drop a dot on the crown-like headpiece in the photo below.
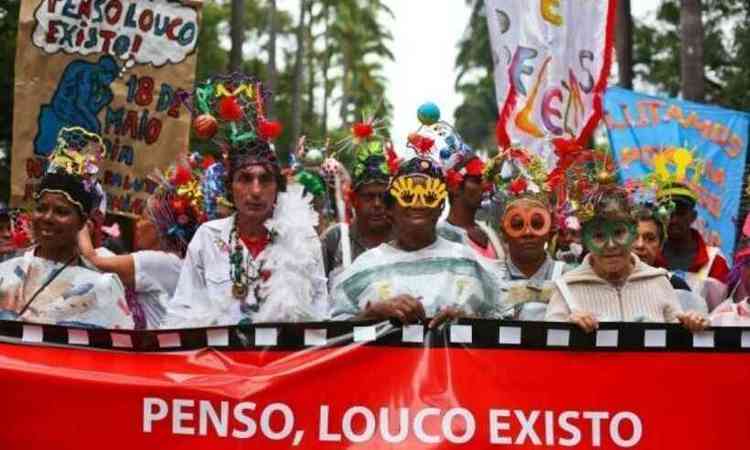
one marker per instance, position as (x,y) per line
(230,110)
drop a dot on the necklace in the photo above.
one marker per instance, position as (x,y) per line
(49,281)
(243,272)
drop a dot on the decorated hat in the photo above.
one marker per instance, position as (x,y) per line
(676,170)
(582,175)
(177,205)
(230,111)
(73,167)
(371,151)
(440,141)
(517,173)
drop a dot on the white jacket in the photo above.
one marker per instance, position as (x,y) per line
(294,291)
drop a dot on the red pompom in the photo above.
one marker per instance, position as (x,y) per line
(230,109)
(421,144)
(180,205)
(475,167)
(518,186)
(181,175)
(453,179)
(392,159)
(20,239)
(362,130)
(269,129)
(205,126)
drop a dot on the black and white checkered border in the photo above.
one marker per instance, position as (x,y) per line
(465,333)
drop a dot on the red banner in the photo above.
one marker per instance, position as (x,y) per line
(451,390)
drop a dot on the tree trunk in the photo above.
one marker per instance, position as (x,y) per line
(237,35)
(326,65)
(310,113)
(345,86)
(272,73)
(298,74)
(691,54)
(624,44)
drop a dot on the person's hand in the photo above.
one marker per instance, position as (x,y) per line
(404,308)
(449,313)
(585,320)
(84,240)
(693,321)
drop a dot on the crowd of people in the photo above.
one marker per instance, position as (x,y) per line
(435,234)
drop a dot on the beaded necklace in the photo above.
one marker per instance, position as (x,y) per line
(244,273)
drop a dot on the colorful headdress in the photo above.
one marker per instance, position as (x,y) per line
(676,170)
(408,193)
(176,206)
(374,158)
(72,168)
(580,174)
(230,110)
(517,173)
(440,140)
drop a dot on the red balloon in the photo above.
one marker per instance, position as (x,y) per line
(230,109)
(269,129)
(205,126)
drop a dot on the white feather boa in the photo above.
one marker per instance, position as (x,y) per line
(296,289)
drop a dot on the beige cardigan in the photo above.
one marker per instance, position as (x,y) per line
(646,296)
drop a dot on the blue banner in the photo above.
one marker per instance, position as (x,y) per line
(642,127)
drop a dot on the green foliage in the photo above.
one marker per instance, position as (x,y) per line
(8,31)
(476,116)
(726,49)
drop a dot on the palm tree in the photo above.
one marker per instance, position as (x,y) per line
(476,116)
(272,73)
(360,37)
(298,74)
(624,44)
(237,35)
(691,54)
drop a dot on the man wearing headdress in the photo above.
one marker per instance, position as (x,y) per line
(685,251)
(418,274)
(371,225)
(463,170)
(263,263)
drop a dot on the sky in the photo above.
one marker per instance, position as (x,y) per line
(425,38)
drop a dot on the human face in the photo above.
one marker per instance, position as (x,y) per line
(416,221)
(146,235)
(471,192)
(680,221)
(369,205)
(56,222)
(5,236)
(568,236)
(647,244)
(526,226)
(254,189)
(610,241)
